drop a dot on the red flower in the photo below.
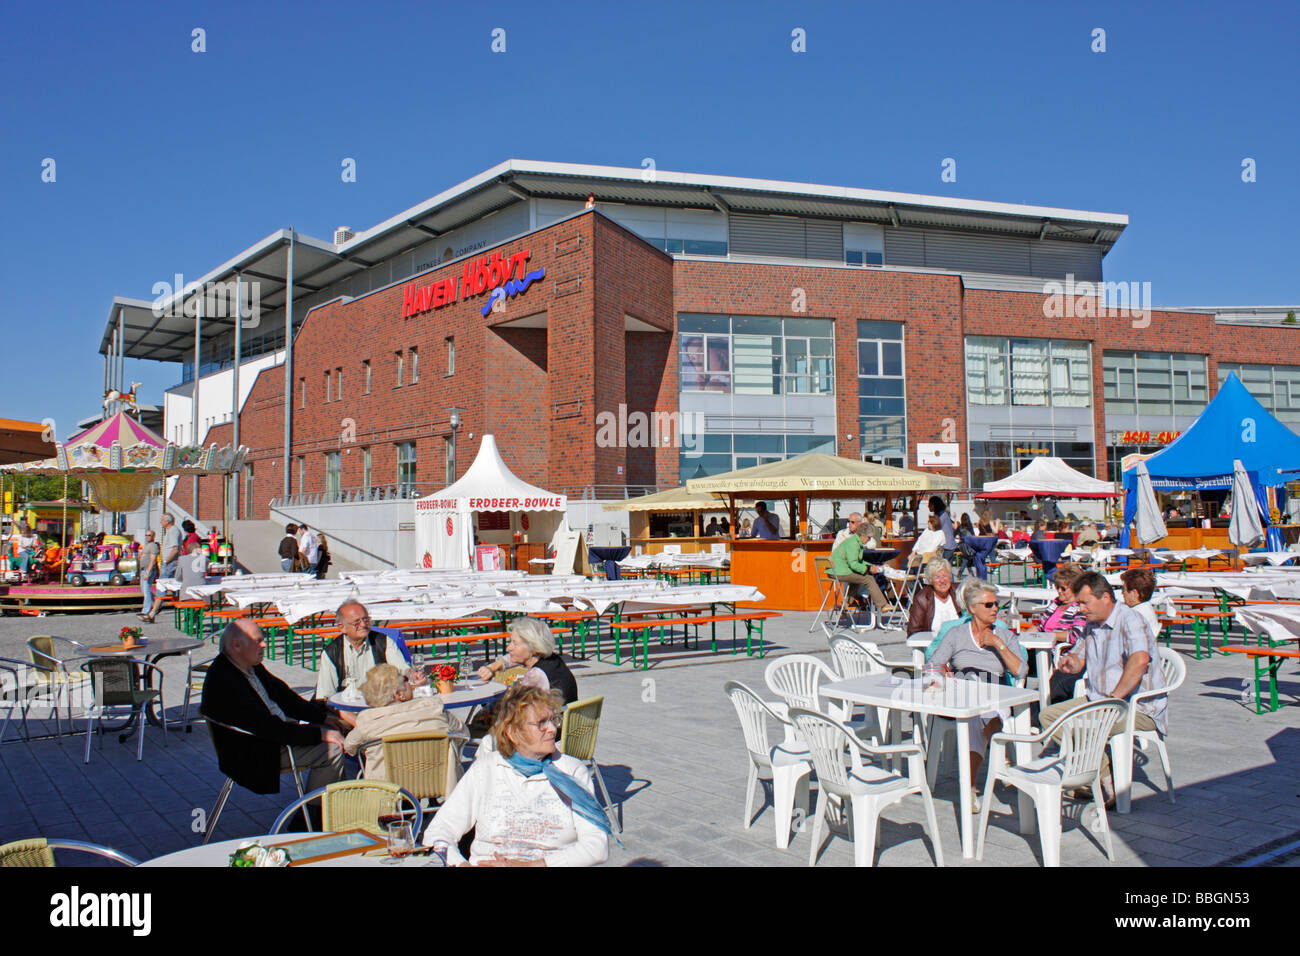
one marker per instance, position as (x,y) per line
(446,672)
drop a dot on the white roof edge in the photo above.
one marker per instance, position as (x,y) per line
(814,189)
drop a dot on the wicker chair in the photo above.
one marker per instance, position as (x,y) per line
(417,762)
(355,805)
(578,740)
(40,852)
(120,682)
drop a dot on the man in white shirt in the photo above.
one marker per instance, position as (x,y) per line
(855,519)
(309,545)
(351,656)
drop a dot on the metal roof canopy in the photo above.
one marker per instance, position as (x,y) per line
(22,441)
(320,263)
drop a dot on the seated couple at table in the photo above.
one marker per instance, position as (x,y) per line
(527,803)
(850,567)
(977,647)
(393,709)
(346,660)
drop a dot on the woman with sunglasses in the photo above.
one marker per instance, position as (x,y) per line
(978,648)
(528,804)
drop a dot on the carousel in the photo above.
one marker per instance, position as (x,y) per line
(121,461)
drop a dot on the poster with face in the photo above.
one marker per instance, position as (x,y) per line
(692,353)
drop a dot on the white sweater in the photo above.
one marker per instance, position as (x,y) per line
(517,817)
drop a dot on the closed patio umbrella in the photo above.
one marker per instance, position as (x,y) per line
(1245,530)
(1150,525)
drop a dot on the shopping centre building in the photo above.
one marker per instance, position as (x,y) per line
(625,329)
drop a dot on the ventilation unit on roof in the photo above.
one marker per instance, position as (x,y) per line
(342,234)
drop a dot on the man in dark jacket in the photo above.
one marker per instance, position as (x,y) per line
(240,692)
(288,550)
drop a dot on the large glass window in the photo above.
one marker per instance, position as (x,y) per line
(1276,387)
(756,355)
(727,452)
(882,402)
(991,460)
(1153,383)
(1028,372)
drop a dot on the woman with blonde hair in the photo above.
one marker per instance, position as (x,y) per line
(527,803)
(393,710)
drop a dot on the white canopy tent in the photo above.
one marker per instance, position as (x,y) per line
(444,523)
(1048,476)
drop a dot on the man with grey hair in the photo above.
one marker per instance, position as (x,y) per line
(171,546)
(347,659)
(239,691)
(854,519)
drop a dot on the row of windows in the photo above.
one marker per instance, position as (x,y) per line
(1028,372)
(756,355)
(1154,383)
(1276,387)
(882,401)
(718,453)
(407,467)
(406,368)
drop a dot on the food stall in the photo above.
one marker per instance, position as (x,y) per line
(1199,466)
(785,569)
(675,517)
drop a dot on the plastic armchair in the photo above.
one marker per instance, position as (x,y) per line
(418,762)
(578,732)
(854,658)
(12,681)
(120,682)
(788,763)
(40,852)
(355,805)
(795,679)
(1083,732)
(861,789)
(222,736)
(1173,670)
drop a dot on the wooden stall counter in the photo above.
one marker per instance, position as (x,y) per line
(687,545)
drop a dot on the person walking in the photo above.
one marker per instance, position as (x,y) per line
(288,547)
(148,558)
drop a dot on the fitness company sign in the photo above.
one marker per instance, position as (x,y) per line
(505,276)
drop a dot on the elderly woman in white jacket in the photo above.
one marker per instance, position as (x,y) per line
(528,804)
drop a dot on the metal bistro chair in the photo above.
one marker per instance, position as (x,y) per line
(223,734)
(12,682)
(39,852)
(52,673)
(356,805)
(578,732)
(827,586)
(120,682)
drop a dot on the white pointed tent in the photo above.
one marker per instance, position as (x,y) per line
(1048,476)
(444,523)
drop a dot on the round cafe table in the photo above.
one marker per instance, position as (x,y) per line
(151,649)
(1048,552)
(981,547)
(466,694)
(609,557)
(218,854)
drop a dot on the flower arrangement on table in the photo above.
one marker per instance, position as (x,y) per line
(255,854)
(446,675)
(130,636)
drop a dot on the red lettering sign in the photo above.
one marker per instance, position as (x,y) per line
(477,276)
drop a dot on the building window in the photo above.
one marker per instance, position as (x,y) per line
(415,365)
(365,376)
(338,384)
(365,470)
(882,395)
(860,257)
(992,460)
(329,376)
(406,469)
(333,475)
(756,355)
(1028,372)
(1156,384)
(719,453)
(400,362)
(302,393)
(1276,387)
(302,474)
(451,355)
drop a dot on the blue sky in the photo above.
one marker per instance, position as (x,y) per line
(172,161)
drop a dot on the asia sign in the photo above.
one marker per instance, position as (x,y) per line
(1145,438)
(505,276)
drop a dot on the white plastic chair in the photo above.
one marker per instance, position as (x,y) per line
(1174,671)
(865,788)
(795,679)
(1083,731)
(787,763)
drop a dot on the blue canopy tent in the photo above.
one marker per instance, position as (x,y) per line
(1233,425)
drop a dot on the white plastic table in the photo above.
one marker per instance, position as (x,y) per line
(467,694)
(1041,646)
(961,700)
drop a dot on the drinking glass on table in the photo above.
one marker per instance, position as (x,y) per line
(931,678)
(401,840)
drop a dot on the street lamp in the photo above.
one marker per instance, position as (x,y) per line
(453,418)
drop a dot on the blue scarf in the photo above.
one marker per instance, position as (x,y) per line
(583,803)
